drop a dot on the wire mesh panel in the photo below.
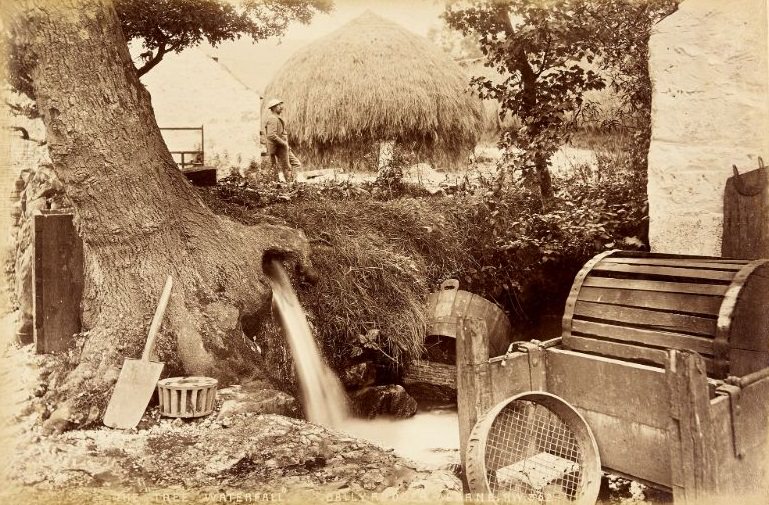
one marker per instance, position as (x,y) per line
(534,448)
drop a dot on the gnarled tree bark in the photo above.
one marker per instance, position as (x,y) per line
(139,219)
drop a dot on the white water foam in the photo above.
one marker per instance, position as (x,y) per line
(323,397)
(430,438)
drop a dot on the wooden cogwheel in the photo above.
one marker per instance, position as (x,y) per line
(533,447)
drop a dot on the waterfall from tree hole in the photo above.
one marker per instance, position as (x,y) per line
(323,396)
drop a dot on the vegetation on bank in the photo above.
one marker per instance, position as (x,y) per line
(379,252)
(512,242)
(545,60)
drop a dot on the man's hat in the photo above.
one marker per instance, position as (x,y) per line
(272,103)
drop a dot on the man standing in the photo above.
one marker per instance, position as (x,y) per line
(281,157)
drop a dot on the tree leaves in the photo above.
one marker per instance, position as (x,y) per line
(550,51)
(173,25)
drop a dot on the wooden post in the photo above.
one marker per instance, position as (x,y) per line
(474,395)
(690,434)
(746,215)
(57,281)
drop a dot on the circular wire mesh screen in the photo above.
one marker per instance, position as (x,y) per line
(534,451)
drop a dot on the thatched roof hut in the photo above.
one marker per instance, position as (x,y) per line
(373,81)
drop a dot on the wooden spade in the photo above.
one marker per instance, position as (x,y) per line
(138,377)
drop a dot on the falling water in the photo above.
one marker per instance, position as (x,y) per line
(323,397)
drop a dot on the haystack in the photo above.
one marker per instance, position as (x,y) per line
(373,81)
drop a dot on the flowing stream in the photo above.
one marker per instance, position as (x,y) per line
(431,438)
(323,396)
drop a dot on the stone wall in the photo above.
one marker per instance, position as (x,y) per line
(28,184)
(710,110)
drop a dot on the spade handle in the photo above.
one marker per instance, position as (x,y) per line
(157,319)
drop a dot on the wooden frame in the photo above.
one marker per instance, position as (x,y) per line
(673,427)
(198,156)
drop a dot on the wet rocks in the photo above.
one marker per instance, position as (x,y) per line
(390,400)
(359,375)
(254,398)
(59,421)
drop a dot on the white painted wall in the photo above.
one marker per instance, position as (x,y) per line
(192,89)
(710,109)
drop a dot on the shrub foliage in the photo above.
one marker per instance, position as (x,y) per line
(379,256)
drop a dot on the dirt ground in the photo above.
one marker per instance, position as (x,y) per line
(236,454)
(230,455)
(422,174)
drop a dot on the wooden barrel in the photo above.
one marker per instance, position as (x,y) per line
(635,306)
(449,303)
(187,396)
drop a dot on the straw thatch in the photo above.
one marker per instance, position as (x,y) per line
(373,81)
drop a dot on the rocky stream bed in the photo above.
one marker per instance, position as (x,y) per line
(242,452)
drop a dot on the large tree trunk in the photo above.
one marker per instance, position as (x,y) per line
(140,220)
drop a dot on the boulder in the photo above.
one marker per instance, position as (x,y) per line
(359,375)
(392,400)
(255,398)
(430,396)
(59,421)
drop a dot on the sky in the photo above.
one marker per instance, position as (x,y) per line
(256,64)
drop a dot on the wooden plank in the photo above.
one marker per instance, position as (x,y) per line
(744,361)
(662,339)
(749,322)
(743,480)
(615,349)
(653,319)
(753,418)
(511,378)
(630,448)
(57,281)
(673,302)
(500,332)
(480,308)
(642,254)
(746,214)
(623,351)
(461,302)
(684,273)
(713,264)
(723,445)
(444,298)
(613,387)
(474,389)
(690,433)
(663,286)
(430,304)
